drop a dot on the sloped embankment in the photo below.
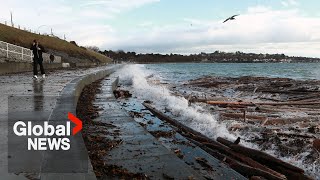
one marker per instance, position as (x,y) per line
(68,51)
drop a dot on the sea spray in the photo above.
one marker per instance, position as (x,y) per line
(194,116)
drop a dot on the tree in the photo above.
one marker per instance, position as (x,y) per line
(93,48)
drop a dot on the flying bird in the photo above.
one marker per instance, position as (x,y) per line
(231,18)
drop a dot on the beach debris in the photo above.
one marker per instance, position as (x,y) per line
(237,141)
(148,101)
(119,93)
(314,129)
(316,144)
(178,153)
(159,134)
(204,163)
(224,103)
(259,155)
(248,162)
(135,114)
(273,113)
(282,114)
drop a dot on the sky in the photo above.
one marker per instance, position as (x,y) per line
(291,27)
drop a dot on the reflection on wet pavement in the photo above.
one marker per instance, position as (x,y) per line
(38,94)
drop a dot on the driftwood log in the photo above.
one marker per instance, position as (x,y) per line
(259,155)
(243,159)
(243,169)
(241,115)
(283,121)
(175,123)
(276,164)
(305,136)
(225,103)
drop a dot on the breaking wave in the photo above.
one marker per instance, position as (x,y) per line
(194,116)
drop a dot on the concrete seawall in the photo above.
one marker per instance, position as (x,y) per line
(67,102)
(13,67)
(17,67)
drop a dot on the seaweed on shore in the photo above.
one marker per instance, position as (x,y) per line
(98,145)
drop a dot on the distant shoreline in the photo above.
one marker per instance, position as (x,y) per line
(218,62)
(215,57)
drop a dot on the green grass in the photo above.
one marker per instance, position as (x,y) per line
(24,39)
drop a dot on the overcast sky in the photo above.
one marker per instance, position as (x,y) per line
(177,26)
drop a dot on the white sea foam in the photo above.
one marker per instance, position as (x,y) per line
(194,116)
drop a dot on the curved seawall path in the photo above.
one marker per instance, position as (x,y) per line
(44,95)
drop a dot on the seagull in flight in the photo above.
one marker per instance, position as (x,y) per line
(231,18)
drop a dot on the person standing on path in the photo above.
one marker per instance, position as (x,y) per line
(37,51)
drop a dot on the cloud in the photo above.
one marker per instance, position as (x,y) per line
(80,20)
(110,8)
(258,29)
(118,4)
(258,9)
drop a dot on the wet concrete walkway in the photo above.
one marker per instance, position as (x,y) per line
(23,85)
(141,152)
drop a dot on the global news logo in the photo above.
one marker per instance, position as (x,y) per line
(46,136)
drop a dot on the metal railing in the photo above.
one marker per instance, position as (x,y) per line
(15,52)
(21,54)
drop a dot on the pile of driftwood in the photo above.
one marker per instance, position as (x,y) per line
(248,162)
(274,112)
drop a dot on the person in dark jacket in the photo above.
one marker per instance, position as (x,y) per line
(51,58)
(37,51)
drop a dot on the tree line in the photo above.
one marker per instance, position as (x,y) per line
(217,56)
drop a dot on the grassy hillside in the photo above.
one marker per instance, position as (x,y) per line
(24,38)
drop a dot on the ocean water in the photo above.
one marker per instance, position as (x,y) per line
(176,72)
(141,81)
